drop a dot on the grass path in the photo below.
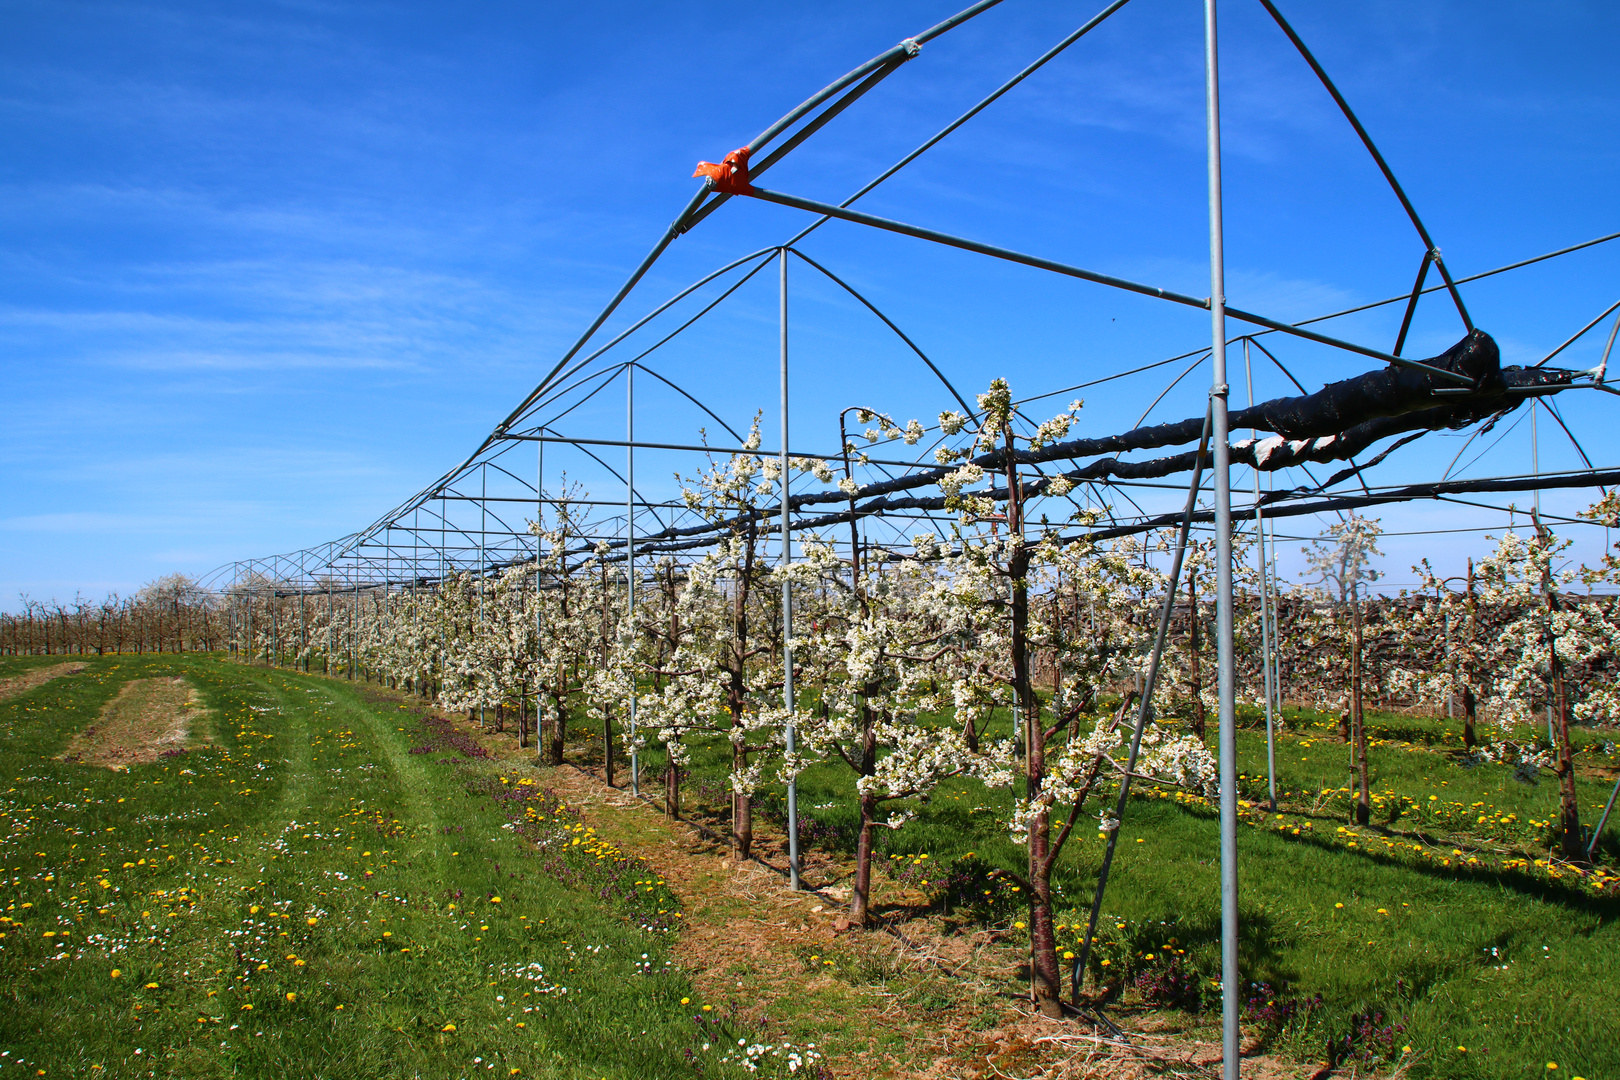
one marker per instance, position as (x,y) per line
(300,896)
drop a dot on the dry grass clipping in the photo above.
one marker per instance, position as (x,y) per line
(148,717)
(30,680)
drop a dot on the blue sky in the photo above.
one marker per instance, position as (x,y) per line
(266,269)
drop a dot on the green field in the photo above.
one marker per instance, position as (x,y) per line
(299,894)
(309,889)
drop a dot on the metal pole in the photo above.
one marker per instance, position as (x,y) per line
(1270,530)
(1223,559)
(1265,621)
(416,605)
(630,556)
(354,630)
(539,646)
(788,702)
(1602,821)
(483,527)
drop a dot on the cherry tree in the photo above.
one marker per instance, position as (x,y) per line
(1342,559)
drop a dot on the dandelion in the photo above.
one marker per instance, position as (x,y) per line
(448,1027)
(291,996)
(114,973)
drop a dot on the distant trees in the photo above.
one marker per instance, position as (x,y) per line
(171,614)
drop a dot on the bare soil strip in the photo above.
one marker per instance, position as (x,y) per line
(146,719)
(31,680)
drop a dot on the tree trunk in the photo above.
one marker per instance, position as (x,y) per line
(1358,722)
(1569,808)
(672,789)
(742,809)
(1470,704)
(559,733)
(1197,686)
(860,903)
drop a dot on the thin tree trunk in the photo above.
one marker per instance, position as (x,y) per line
(672,788)
(1197,686)
(559,732)
(1569,808)
(1470,704)
(860,903)
(1358,722)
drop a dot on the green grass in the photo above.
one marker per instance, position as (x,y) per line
(304,776)
(1429,929)
(303,896)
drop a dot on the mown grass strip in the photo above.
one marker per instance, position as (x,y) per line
(302,897)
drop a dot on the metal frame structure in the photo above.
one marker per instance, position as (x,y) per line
(433,533)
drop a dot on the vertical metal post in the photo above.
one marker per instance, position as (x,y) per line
(1597,833)
(354,630)
(788,698)
(540,646)
(331,625)
(1223,559)
(444,540)
(1276,610)
(630,556)
(1265,619)
(483,527)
